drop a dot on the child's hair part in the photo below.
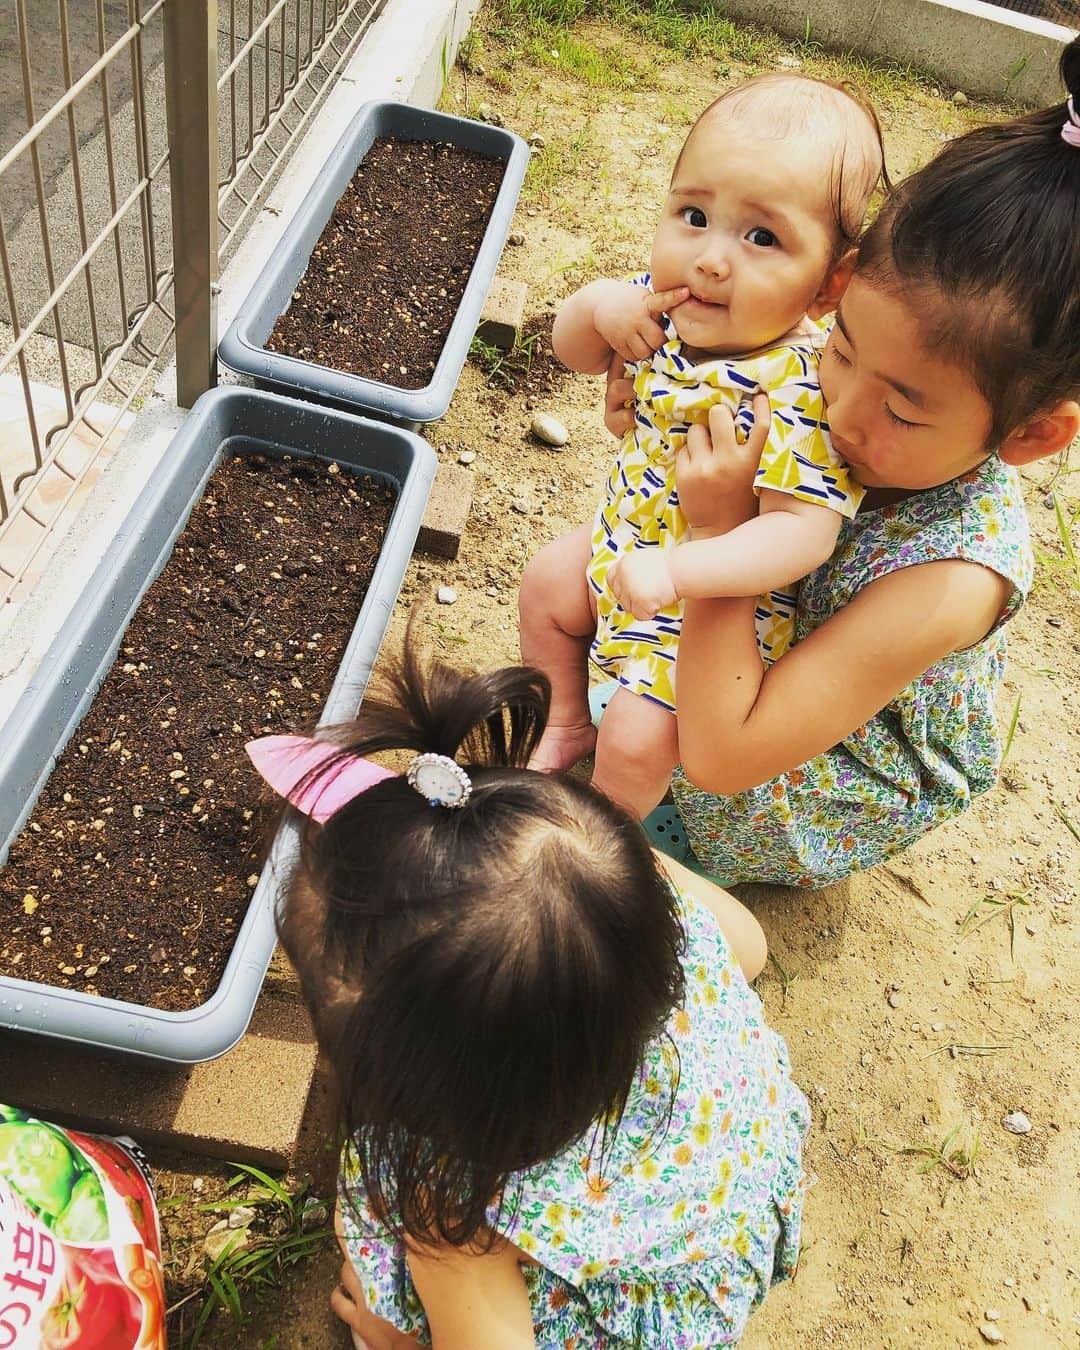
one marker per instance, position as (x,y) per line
(780,105)
(484,980)
(984,245)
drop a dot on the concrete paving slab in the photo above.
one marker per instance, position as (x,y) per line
(503,313)
(247,1106)
(447,511)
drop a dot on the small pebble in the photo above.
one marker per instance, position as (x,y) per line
(960,97)
(1049,501)
(992,1314)
(197,1183)
(1016,1123)
(938,1026)
(446,595)
(990,1333)
(521,506)
(885,1212)
(241,1216)
(516,239)
(893,999)
(549,429)
(537,141)
(466,457)
(1009,1282)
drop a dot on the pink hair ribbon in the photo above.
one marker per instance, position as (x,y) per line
(291,764)
(1070,131)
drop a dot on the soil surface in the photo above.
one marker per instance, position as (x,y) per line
(909,1239)
(388,272)
(137,866)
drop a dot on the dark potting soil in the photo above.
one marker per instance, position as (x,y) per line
(387,275)
(137,866)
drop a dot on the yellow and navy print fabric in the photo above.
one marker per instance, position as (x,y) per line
(641,505)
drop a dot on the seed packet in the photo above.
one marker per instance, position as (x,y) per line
(80,1246)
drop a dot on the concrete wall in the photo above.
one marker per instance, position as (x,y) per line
(966,44)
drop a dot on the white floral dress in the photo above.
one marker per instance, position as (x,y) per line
(681,1234)
(922,759)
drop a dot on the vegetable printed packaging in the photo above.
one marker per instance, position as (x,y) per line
(80,1248)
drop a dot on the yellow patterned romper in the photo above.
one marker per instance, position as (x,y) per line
(641,506)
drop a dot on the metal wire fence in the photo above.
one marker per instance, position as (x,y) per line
(104,128)
(1064,12)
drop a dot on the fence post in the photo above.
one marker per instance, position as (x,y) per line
(191,74)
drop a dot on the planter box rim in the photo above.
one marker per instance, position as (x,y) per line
(45,717)
(243,348)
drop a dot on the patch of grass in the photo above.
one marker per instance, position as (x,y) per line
(955,1155)
(275,1239)
(504,368)
(567,51)
(553,162)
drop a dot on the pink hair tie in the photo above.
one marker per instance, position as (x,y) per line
(319,779)
(1070,131)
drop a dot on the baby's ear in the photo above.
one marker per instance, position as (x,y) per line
(1045,434)
(833,287)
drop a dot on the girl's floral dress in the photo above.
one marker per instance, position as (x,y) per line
(918,762)
(678,1235)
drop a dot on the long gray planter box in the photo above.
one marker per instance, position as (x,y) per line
(243,346)
(223,421)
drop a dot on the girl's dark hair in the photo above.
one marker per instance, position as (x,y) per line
(984,245)
(484,980)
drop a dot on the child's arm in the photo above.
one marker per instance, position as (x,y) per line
(735,717)
(776,548)
(474,1301)
(608,317)
(743,932)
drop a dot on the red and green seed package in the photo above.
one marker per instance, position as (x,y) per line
(80,1248)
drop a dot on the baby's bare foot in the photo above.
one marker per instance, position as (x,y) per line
(560,748)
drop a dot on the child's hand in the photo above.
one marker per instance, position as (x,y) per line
(641,582)
(618,398)
(714,473)
(627,318)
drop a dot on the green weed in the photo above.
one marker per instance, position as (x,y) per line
(956,1158)
(275,1239)
(990,907)
(1013,723)
(787,978)
(504,368)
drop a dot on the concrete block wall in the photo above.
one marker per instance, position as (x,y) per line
(966,44)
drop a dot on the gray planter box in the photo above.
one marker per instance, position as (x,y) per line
(242,347)
(222,422)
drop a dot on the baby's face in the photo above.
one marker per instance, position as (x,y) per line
(748,226)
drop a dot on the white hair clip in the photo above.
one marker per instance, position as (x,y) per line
(440,780)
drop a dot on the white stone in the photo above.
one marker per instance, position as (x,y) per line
(1016,1123)
(548,429)
(959,97)
(446,595)
(466,457)
(222,1236)
(991,1334)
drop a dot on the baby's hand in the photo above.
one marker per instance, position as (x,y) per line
(642,584)
(618,398)
(627,319)
(714,472)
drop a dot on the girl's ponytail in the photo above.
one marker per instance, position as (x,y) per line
(483,979)
(985,243)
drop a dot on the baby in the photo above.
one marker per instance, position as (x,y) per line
(766,198)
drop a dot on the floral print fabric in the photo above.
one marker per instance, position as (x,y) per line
(922,759)
(673,1239)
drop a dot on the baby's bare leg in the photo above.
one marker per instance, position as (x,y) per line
(636,751)
(556,623)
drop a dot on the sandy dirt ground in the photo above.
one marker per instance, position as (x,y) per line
(922,1002)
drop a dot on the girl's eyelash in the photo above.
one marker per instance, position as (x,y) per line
(899,421)
(835,350)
